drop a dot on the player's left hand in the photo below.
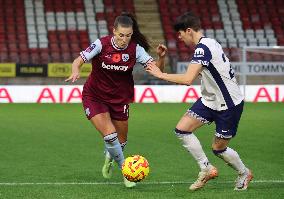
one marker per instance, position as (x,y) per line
(154,70)
(161,50)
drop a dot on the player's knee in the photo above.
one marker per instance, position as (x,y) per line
(220,143)
(181,133)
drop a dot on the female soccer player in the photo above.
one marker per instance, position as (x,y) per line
(109,88)
(221,102)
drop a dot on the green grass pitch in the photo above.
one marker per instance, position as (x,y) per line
(51,151)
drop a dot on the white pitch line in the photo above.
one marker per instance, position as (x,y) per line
(116,183)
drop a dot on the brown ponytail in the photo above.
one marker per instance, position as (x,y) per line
(137,36)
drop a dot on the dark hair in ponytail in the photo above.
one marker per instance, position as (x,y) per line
(127,20)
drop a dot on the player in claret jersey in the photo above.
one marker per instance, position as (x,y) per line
(109,88)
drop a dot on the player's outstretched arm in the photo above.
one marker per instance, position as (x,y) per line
(161,51)
(76,65)
(187,78)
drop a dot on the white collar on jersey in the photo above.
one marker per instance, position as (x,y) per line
(115,46)
(201,38)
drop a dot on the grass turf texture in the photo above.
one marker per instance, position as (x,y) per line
(54,143)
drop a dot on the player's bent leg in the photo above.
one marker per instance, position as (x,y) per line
(122,130)
(113,147)
(107,169)
(184,129)
(104,125)
(191,143)
(233,160)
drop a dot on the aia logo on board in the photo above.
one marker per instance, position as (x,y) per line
(116,57)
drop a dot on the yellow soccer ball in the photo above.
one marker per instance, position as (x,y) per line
(135,168)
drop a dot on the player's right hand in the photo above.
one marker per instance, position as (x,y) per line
(73,77)
(77,63)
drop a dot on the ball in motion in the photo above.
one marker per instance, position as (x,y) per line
(135,168)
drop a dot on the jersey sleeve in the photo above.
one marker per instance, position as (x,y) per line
(202,55)
(93,50)
(142,56)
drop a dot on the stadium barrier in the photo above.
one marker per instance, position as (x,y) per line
(41,70)
(64,70)
(143,94)
(7,69)
(31,70)
(249,68)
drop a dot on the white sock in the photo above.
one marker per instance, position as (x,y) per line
(233,159)
(192,145)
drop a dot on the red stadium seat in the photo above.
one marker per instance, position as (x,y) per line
(265,14)
(170,9)
(14,25)
(4,56)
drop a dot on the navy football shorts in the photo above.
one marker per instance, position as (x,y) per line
(226,121)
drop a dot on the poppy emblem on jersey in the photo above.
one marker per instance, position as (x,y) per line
(199,52)
(90,48)
(125,57)
(116,57)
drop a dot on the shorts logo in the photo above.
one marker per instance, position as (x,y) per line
(219,135)
(90,48)
(116,57)
(87,111)
(126,109)
(125,57)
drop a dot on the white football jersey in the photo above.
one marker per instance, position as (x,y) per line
(219,87)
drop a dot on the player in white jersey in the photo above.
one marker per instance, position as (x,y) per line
(219,90)
(221,102)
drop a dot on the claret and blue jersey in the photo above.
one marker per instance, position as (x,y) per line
(111,78)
